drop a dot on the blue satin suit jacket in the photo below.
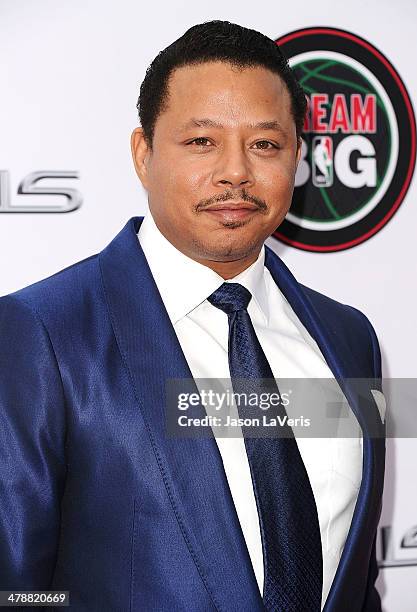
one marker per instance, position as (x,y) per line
(94,497)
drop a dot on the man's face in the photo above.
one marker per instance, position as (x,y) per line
(221,174)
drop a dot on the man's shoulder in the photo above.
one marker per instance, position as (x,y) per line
(341,325)
(331,312)
(332,307)
(348,325)
(334,311)
(59,293)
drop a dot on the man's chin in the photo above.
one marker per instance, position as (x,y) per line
(228,253)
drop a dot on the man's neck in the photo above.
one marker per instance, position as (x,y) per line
(230,269)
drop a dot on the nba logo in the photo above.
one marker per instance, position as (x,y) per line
(322,159)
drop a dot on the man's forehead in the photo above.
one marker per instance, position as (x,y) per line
(206,122)
(198,98)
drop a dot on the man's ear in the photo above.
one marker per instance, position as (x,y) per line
(140,154)
(298,152)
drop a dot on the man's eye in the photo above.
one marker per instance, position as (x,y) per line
(198,142)
(265,144)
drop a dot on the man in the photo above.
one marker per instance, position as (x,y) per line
(96,498)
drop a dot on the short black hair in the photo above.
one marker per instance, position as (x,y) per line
(214,41)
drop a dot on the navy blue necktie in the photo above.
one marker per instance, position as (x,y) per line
(291,542)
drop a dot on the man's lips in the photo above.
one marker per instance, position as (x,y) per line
(231,211)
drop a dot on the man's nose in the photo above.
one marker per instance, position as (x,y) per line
(233,167)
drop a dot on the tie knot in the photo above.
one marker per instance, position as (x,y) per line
(230,297)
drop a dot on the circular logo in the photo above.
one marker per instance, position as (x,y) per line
(359,141)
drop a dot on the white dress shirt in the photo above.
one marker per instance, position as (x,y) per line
(334,465)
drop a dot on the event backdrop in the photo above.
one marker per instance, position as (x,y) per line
(70,76)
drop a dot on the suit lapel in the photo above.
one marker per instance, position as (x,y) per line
(192,469)
(355,558)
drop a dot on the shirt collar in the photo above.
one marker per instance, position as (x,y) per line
(185,283)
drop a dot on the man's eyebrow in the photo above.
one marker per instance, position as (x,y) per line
(273,124)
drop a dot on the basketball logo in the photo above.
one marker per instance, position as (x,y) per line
(359,141)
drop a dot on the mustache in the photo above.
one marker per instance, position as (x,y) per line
(230,196)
